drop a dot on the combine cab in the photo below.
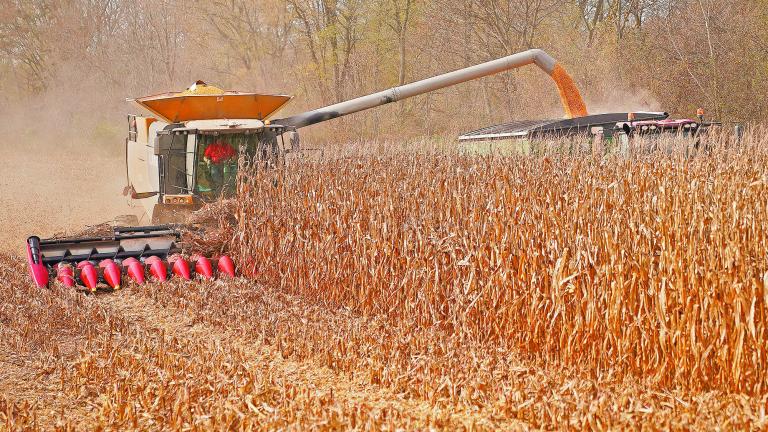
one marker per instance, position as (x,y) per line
(187,153)
(136,253)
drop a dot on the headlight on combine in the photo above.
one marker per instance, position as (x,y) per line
(178,199)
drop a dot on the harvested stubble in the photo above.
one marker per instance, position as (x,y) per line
(215,355)
(121,362)
(651,267)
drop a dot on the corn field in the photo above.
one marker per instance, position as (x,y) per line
(402,287)
(652,266)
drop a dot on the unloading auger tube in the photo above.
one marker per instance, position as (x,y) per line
(569,94)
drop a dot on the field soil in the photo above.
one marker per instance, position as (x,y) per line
(54,191)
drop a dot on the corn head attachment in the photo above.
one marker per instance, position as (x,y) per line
(137,254)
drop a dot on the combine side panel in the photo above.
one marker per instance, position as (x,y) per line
(560,127)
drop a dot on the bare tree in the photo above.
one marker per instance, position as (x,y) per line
(24,30)
(681,53)
(617,15)
(399,15)
(509,25)
(331,31)
(256,34)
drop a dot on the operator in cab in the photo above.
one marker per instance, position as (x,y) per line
(216,171)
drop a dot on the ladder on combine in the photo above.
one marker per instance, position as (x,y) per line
(135,253)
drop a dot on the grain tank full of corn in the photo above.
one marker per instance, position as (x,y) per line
(185,152)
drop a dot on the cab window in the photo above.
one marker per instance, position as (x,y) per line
(217,159)
(216,165)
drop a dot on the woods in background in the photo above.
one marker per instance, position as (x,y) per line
(75,61)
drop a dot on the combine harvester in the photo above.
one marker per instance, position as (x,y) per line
(186,154)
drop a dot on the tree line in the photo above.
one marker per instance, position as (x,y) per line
(674,55)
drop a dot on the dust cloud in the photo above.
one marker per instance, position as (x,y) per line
(60,170)
(618,99)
